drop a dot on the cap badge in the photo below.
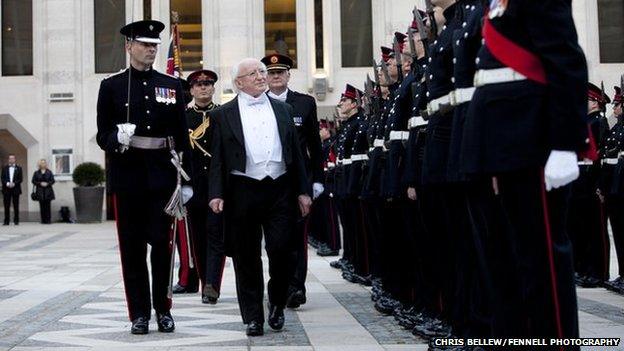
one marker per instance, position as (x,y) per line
(274,59)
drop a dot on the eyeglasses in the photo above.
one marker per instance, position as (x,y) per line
(254,74)
(201,83)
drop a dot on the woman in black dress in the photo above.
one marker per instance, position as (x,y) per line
(43,180)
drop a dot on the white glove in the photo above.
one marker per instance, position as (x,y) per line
(317,190)
(561,169)
(187,193)
(124,132)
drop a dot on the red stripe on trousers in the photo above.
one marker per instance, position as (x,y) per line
(184,259)
(551,259)
(120,257)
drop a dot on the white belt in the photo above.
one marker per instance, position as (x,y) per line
(435,104)
(462,95)
(378,143)
(347,161)
(399,135)
(610,161)
(585,163)
(416,122)
(495,76)
(359,157)
(331,165)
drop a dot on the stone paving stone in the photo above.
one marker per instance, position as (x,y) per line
(63,284)
(383,328)
(7,294)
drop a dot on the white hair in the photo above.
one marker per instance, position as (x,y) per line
(237,66)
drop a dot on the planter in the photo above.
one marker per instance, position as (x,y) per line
(88,201)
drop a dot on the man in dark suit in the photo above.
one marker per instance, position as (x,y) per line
(11,189)
(140,130)
(306,123)
(258,172)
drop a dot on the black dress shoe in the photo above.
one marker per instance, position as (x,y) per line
(615,284)
(333,264)
(181,289)
(165,322)
(140,326)
(591,282)
(255,328)
(276,317)
(296,299)
(325,251)
(210,295)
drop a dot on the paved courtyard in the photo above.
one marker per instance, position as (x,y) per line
(60,289)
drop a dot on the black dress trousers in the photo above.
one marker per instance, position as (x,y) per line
(255,208)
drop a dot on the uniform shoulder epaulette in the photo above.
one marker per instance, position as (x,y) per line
(116,73)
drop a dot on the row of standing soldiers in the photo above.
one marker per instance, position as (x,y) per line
(451,174)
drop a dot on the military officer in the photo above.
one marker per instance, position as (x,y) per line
(325,219)
(207,229)
(524,127)
(611,187)
(306,123)
(141,126)
(442,212)
(586,219)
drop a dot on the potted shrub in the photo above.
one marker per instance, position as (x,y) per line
(89,193)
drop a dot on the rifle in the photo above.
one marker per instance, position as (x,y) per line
(422,31)
(384,71)
(398,59)
(602,92)
(434,24)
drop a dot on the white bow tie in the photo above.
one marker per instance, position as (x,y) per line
(251,102)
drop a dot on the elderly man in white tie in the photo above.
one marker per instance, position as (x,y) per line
(258,178)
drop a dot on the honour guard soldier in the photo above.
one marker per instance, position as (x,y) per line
(442,214)
(306,123)
(206,226)
(586,219)
(350,119)
(142,129)
(612,186)
(524,127)
(325,219)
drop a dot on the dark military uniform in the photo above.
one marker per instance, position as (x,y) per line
(324,219)
(473,292)
(348,214)
(207,227)
(612,188)
(512,125)
(443,214)
(306,123)
(400,216)
(143,180)
(587,219)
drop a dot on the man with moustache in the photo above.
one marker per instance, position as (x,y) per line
(257,174)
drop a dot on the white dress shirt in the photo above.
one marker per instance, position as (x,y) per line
(11,174)
(262,141)
(281,97)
